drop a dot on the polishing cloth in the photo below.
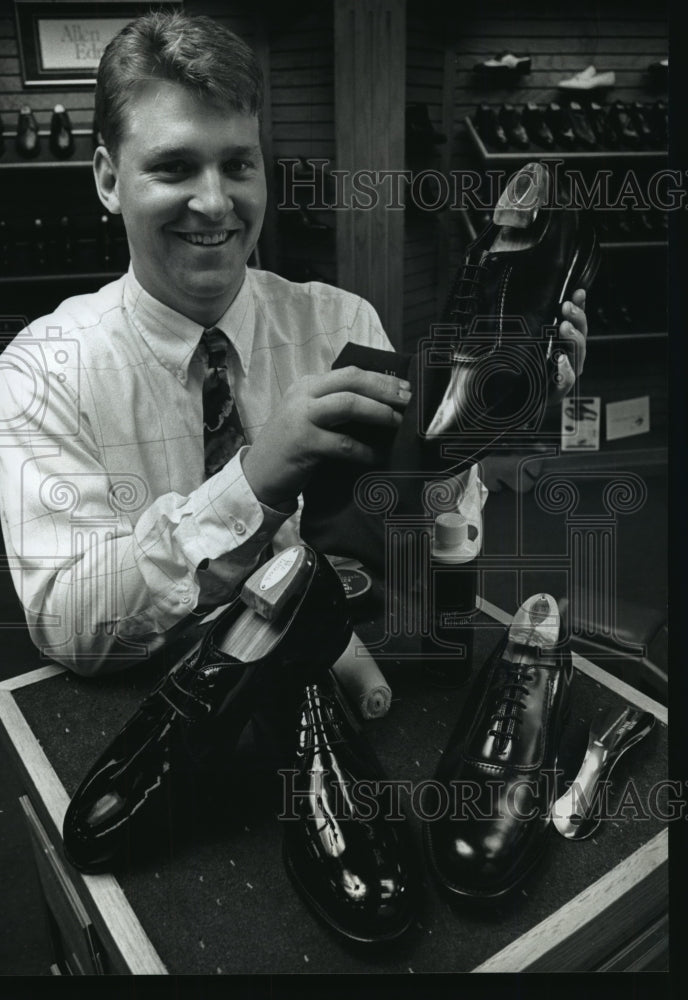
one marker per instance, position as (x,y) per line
(364,684)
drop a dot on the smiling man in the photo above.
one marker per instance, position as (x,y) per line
(117,520)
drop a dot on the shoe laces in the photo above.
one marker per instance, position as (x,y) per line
(319,709)
(512,694)
(463,299)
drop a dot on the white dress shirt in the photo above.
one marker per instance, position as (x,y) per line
(106,512)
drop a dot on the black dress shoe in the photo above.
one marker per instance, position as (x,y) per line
(487,375)
(536,126)
(503,754)
(350,863)
(490,128)
(511,122)
(639,117)
(61,138)
(624,126)
(515,276)
(27,141)
(582,130)
(603,127)
(659,123)
(182,737)
(560,125)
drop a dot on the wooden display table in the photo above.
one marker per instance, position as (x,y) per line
(223,904)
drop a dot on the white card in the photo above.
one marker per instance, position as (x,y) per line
(580,423)
(628,417)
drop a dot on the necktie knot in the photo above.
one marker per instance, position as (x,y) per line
(216,345)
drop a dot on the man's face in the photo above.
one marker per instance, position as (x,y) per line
(190,185)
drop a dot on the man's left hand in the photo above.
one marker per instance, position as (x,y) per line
(570,350)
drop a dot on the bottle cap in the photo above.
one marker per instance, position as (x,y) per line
(451,531)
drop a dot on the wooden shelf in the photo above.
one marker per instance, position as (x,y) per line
(81,158)
(613,338)
(572,156)
(633,244)
(29,279)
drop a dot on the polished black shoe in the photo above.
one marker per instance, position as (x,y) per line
(560,125)
(490,128)
(582,129)
(639,116)
(536,126)
(350,862)
(511,121)
(509,289)
(61,138)
(624,126)
(290,623)
(27,142)
(659,123)
(603,127)
(498,768)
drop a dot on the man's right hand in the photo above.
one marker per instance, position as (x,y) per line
(304,429)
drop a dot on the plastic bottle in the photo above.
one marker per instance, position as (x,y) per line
(448,649)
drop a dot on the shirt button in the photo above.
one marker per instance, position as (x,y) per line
(239,527)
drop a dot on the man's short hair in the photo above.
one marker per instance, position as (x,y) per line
(195,51)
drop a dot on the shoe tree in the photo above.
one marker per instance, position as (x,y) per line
(518,207)
(266,593)
(575,813)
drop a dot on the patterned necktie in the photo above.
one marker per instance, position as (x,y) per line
(223,434)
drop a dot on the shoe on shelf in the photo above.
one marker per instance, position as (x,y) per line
(503,68)
(602,126)
(658,73)
(536,126)
(639,117)
(356,871)
(624,126)
(27,142)
(288,625)
(490,128)
(582,129)
(560,124)
(504,749)
(61,138)
(589,79)
(510,119)
(658,118)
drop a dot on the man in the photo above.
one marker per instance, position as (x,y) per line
(115,528)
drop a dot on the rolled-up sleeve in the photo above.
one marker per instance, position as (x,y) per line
(98,586)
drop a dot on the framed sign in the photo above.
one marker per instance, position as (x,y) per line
(60,44)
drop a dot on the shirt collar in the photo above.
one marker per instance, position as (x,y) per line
(173,338)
